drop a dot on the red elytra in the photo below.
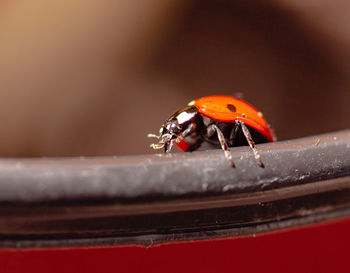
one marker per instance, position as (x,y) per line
(216,107)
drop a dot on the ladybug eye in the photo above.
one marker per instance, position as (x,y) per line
(231,107)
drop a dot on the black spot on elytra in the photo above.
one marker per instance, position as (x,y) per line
(231,107)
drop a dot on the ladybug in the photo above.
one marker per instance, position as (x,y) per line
(218,120)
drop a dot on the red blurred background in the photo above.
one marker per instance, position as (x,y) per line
(93,78)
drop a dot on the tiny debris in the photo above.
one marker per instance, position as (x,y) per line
(204,186)
(85,172)
(227,188)
(317,142)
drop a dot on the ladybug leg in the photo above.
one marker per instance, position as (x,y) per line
(185,133)
(233,134)
(168,146)
(251,142)
(210,131)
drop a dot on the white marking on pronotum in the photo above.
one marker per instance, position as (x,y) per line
(191,103)
(184,116)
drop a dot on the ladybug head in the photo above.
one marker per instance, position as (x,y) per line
(171,131)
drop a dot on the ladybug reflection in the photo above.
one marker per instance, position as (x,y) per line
(218,120)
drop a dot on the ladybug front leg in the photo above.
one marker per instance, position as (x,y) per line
(250,141)
(168,146)
(190,129)
(210,131)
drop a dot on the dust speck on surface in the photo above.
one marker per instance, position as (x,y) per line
(85,172)
(204,186)
(227,188)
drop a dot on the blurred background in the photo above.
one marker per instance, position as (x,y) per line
(86,78)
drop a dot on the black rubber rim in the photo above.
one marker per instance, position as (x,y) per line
(160,198)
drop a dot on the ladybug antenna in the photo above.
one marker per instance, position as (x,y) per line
(165,142)
(156,146)
(153,135)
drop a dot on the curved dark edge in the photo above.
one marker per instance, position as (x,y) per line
(23,227)
(157,198)
(156,239)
